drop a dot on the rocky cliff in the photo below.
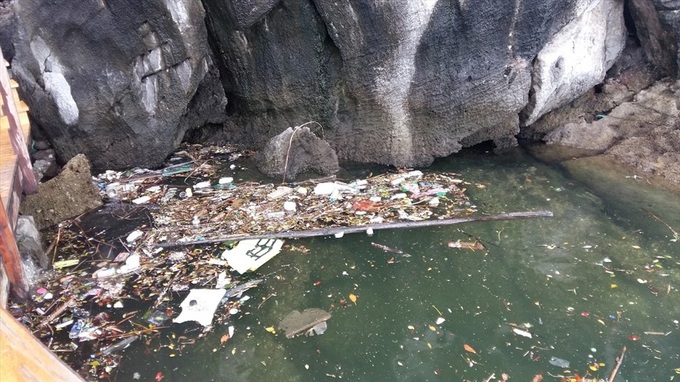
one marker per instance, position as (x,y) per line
(116,80)
(403,82)
(399,82)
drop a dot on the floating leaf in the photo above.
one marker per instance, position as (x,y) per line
(469,349)
(429,345)
(432,328)
(224,339)
(270,329)
(353,298)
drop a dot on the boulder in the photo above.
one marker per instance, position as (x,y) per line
(67,195)
(403,82)
(294,151)
(114,79)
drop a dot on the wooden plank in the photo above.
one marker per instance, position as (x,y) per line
(28,181)
(23,119)
(8,166)
(24,358)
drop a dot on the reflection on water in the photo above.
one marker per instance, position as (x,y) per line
(600,275)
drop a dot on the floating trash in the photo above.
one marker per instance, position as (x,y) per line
(200,306)
(296,323)
(559,362)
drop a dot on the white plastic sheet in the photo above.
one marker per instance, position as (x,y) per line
(200,306)
(248,255)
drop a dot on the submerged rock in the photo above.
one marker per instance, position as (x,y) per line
(295,151)
(296,323)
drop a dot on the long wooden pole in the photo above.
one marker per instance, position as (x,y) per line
(11,256)
(342,230)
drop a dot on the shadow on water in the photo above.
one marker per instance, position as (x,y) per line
(600,275)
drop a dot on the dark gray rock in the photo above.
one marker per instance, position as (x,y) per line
(44,154)
(657,23)
(41,145)
(247,12)
(45,169)
(294,151)
(7,28)
(111,79)
(404,82)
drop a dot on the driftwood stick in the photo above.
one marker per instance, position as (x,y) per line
(618,364)
(57,312)
(342,230)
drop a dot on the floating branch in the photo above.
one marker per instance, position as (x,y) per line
(329,231)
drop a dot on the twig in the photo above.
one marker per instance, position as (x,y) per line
(676,235)
(53,247)
(265,300)
(618,364)
(57,312)
(162,294)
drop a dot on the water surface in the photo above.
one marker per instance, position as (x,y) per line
(595,278)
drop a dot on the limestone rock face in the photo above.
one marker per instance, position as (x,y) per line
(403,82)
(577,57)
(113,79)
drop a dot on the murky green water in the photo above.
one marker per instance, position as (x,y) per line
(596,277)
